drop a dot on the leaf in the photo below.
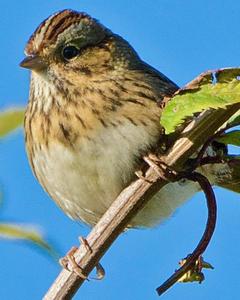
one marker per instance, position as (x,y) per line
(234,120)
(10,120)
(212,89)
(232,138)
(18,232)
(195,274)
(192,276)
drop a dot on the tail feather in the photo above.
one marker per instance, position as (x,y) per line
(231,179)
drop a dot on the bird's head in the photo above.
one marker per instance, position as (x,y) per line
(73,46)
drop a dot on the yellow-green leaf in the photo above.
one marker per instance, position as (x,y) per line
(202,93)
(19,232)
(10,120)
(234,120)
(192,276)
(232,138)
(195,274)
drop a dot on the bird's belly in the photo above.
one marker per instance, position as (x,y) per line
(164,203)
(84,186)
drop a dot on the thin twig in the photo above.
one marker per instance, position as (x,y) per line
(202,245)
(133,198)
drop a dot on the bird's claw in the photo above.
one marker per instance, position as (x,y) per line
(160,167)
(140,175)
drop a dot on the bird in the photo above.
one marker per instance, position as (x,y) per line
(94,110)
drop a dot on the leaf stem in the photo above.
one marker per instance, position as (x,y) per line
(207,235)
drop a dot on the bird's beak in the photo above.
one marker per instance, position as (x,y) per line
(33,62)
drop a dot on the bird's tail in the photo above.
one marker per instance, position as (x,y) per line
(231,179)
(225,175)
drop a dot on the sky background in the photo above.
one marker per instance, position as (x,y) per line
(181,39)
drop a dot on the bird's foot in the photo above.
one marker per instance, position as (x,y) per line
(160,167)
(140,175)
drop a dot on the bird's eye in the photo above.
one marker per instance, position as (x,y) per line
(70,52)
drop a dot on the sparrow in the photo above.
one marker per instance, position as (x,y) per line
(94,110)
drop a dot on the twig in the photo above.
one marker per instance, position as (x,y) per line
(133,198)
(202,245)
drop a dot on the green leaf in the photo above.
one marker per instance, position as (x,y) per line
(234,120)
(195,274)
(19,232)
(232,138)
(10,120)
(200,94)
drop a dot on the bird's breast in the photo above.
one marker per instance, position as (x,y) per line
(85,178)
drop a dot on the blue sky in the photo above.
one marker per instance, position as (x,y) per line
(181,39)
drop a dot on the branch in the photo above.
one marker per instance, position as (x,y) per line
(134,197)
